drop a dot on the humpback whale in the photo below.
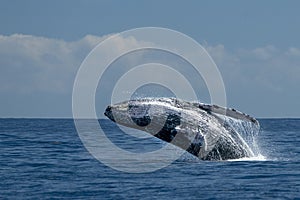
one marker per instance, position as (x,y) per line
(200,129)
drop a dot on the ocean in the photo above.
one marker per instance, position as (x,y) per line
(45,159)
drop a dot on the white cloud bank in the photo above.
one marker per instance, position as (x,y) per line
(30,64)
(267,79)
(265,76)
(268,66)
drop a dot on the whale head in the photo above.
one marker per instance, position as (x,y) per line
(145,114)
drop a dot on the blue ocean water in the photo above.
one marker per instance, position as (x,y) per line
(45,159)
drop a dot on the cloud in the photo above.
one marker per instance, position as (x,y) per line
(39,66)
(37,73)
(29,63)
(267,64)
(293,52)
(265,77)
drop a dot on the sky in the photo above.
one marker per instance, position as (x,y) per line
(255,45)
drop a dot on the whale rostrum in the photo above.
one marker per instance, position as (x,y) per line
(200,129)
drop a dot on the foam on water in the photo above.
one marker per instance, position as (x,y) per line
(259,157)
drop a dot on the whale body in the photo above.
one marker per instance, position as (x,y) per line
(200,129)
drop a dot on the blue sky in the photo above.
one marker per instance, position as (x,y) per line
(255,44)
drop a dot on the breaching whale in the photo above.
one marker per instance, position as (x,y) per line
(198,128)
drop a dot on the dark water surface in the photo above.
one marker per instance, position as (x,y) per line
(45,159)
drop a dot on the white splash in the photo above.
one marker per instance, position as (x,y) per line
(259,157)
(248,132)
